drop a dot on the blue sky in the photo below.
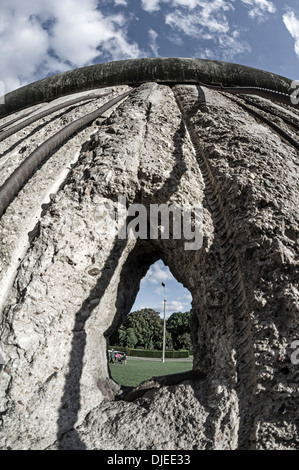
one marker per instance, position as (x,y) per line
(39,38)
(151,294)
(43,37)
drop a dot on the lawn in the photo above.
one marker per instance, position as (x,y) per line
(138,370)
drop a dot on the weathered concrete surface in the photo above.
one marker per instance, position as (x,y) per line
(76,284)
(137,71)
(36,195)
(256,177)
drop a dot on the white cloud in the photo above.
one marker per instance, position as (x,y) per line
(175,38)
(153,35)
(260,8)
(155,5)
(173,306)
(209,16)
(23,47)
(51,36)
(157,273)
(150,5)
(176,306)
(209,22)
(195,24)
(292,25)
(187,297)
(121,2)
(232,45)
(152,293)
(187,3)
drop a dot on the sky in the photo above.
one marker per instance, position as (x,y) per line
(151,293)
(40,38)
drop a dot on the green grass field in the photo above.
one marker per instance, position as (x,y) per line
(136,370)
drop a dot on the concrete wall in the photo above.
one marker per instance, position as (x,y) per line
(73,283)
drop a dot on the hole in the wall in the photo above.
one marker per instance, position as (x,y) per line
(140,348)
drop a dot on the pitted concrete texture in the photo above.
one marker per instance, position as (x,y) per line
(76,283)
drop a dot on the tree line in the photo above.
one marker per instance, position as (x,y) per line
(144,329)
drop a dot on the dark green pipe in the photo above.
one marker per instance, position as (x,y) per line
(136,71)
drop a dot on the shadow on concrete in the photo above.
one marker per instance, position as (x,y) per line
(138,262)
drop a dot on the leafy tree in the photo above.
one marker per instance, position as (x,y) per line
(147,326)
(144,328)
(184,341)
(168,341)
(178,325)
(119,337)
(127,337)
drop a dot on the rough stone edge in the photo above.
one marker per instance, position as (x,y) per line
(136,71)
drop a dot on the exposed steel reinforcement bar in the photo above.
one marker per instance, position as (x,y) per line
(275,95)
(45,112)
(25,171)
(283,134)
(137,71)
(288,121)
(12,121)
